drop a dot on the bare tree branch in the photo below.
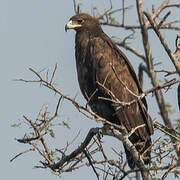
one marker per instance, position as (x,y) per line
(163,42)
(129,27)
(154,79)
(79,150)
(131,49)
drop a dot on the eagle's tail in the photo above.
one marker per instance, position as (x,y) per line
(144,149)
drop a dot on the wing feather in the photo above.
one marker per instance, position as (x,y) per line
(114,72)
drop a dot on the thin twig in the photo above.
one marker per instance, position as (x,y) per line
(53,73)
(166,131)
(91,164)
(164,19)
(28,150)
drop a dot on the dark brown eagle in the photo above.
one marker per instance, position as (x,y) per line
(106,75)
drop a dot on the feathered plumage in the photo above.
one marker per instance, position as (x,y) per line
(103,70)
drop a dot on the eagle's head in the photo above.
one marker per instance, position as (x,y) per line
(83,22)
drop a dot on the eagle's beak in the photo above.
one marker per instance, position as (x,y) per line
(71,25)
(66,27)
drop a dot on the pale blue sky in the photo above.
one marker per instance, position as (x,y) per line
(32,35)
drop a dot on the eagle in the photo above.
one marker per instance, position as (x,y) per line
(108,82)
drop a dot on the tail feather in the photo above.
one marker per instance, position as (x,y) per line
(144,149)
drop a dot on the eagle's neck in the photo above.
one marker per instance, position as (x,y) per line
(84,63)
(82,38)
(81,44)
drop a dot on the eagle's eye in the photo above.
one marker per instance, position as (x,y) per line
(80,21)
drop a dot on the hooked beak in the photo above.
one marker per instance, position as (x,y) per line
(71,25)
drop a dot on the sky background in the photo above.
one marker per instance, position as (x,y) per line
(32,35)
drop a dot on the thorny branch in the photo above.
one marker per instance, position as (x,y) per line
(83,109)
(114,129)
